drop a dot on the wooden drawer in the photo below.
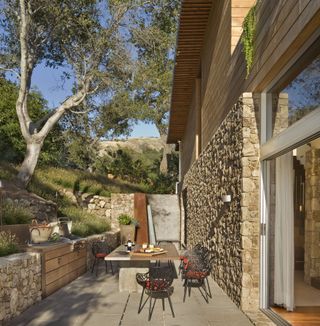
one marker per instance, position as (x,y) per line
(60,266)
(64,259)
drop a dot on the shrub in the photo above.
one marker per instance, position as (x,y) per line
(125,219)
(85,223)
(8,244)
(7,171)
(15,214)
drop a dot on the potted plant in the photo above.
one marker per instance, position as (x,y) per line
(127,227)
(40,232)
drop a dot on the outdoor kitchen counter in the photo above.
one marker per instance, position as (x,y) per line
(61,263)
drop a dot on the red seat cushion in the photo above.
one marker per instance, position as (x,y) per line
(156,285)
(101,255)
(196,274)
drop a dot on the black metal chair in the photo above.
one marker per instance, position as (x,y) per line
(142,279)
(100,249)
(195,271)
(156,285)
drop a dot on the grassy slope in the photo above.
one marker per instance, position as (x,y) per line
(49,181)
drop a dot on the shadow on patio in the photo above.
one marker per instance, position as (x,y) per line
(92,300)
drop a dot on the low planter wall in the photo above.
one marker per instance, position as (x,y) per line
(112,238)
(27,277)
(20,284)
(21,231)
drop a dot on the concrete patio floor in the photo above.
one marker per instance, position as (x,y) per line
(92,301)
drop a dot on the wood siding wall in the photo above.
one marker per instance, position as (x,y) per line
(239,10)
(188,150)
(284,26)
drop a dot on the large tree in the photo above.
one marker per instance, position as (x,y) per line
(154,37)
(84,36)
(83,133)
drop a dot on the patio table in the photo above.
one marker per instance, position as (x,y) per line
(130,264)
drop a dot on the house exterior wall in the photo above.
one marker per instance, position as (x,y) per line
(230,134)
(312,226)
(188,150)
(229,165)
(283,27)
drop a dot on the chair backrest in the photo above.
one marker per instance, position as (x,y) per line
(200,259)
(100,247)
(162,276)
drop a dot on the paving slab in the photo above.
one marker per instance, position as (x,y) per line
(95,301)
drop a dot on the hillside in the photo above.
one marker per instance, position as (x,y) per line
(138,145)
(145,149)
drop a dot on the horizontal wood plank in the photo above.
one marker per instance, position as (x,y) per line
(65,269)
(66,279)
(57,262)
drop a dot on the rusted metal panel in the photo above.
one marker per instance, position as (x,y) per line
(140,214)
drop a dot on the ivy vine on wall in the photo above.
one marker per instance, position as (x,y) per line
(248,35)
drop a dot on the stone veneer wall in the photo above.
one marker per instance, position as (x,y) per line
(121,204)
(250,224)
(228,165)
(20,284)
(312,217)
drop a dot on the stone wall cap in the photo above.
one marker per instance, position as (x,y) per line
(16,257)
(247,94)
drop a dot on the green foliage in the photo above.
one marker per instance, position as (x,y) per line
(125,219)
(84,223)
(165,183)
(154,37)
(248,36)
(54,237)
(83,132)
(81,181)
(8,244)
(12,213)
(12,144)
(7,171)
(125,167)
(143,171)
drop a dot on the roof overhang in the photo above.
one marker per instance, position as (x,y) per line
(192,27)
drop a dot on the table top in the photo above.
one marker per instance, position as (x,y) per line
(120,254)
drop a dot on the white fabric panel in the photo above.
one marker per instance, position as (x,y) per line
(284,233)
(152,234)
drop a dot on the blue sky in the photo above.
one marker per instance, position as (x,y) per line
(54,90)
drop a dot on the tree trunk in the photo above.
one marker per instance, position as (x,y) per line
(29,164)
(166,151)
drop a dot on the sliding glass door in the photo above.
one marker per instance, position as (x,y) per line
(290,195)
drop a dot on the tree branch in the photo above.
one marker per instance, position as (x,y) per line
(11,70)
(21,104)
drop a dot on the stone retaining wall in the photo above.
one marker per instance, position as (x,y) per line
(43,210)
(108,208)
(20,284)
(229,165)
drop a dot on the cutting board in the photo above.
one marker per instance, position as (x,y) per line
(149,254)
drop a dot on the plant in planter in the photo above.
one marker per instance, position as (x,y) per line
(127,227)
(8,244)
